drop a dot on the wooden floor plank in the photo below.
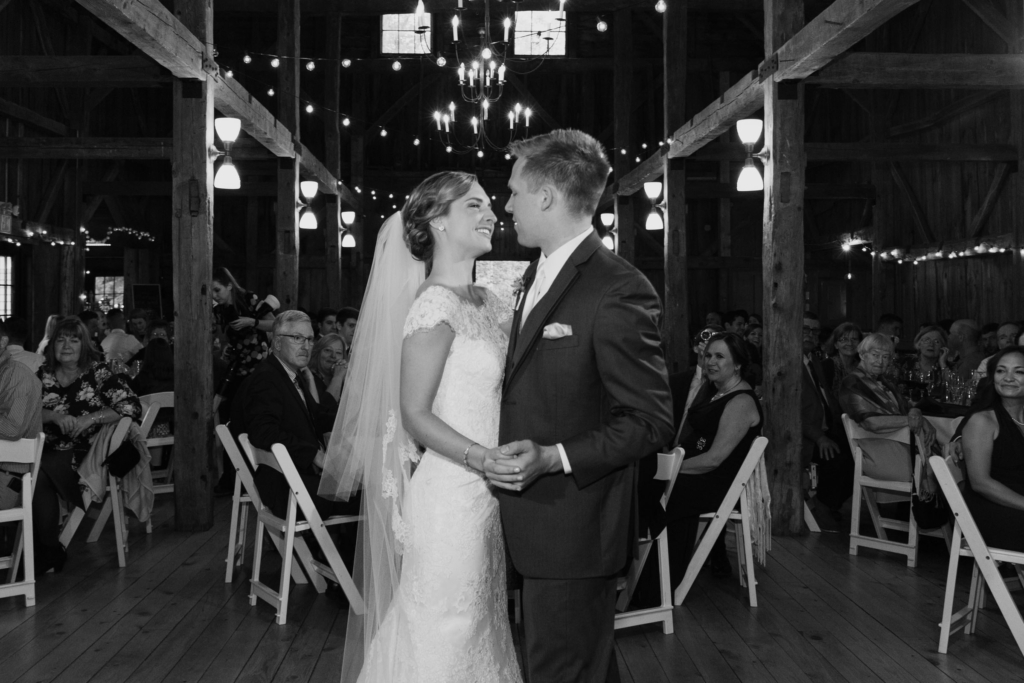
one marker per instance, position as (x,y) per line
(302,657)
(737,653)
(272,649)
(328,665)
(639,658)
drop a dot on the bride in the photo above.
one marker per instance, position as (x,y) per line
(423,394)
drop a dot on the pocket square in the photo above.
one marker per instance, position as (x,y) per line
(557,331)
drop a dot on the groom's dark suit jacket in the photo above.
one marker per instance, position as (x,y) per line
(603,394)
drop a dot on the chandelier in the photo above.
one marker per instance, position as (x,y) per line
(481,82)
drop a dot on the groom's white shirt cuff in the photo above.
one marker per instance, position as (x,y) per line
(565,459)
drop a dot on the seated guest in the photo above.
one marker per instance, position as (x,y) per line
(327,361)
(138,321)
(736,321)
(932,346)
(281,401)
(80,394)
(118,345)
(51,325)
(873,402)
(157,372)
(158,329)
(1006,336)
(964,338)
(713,318)
(988,342)
(993,446)
(755,319)
(891,325)
(21,415)
(716,435)
(96,324)
(754,336)
(841,351)
(326,322)
(824,443)
(17,332)
(347,319)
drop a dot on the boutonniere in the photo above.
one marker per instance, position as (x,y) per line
(517,291)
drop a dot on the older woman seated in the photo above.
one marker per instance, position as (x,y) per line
(327,361)
(871,400)
(717,434)
(841,349)
(80,394)
(993,448)
(932,344)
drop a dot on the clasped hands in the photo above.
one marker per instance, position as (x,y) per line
(516,465)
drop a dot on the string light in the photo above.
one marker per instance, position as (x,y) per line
(247,59)
(441,61)
(309,108)
(229,73)
(345,122)
(660,6)
(346,63)
(270,91)
(602,26)
(275,62)
(396,65)
(310,66)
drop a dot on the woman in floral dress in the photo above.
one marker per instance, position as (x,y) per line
(80,394)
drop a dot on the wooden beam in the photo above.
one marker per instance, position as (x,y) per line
(622,84)
(676,309)
(995,19)
(231,99)
(52,191)
(918,71)
(89,71)
(985,210)
(741,100)
(16,111)
(839,27)
(286,261)
(332,141)
(724,204)
(192,249)
(783,259)
(920,219)
(85,148)
(93,204)
(944,114)
(402,102)
(923,152)
(377,7)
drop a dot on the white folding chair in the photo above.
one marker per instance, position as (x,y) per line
(298,499)
(151,406)
(76,516)
(245,492)
(27,454)
(865,489)
(716,524)
(968,542)
(668,470)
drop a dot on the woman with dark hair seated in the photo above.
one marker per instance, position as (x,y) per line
(717,434)
(80,394)
(993,449)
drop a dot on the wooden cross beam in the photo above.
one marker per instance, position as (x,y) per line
(920,219)
(86,71)
(904,70)
(85,148)
(16,111)
(835,30)
(377,7)
(154,30)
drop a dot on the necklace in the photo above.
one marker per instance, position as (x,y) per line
(1015,419)
(726,390)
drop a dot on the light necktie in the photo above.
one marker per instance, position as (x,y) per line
(537,290)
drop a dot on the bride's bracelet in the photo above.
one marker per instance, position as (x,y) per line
(465,457)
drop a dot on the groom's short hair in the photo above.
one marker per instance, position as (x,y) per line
(572,161)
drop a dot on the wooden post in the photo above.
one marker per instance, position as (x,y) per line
(677,319)
(1016,16)
(72,269)
(783,272)
(332,140)
(622,77)
(286,263)
(724,210)
(131,277)
(192,248)
(357,165)
(252,217)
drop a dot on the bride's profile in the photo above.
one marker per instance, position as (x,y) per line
(423,395)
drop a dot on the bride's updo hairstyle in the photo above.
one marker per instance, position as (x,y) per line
(430,200)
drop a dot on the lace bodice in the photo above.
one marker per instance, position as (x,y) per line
(469,395)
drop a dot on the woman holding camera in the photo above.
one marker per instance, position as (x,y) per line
(327,361)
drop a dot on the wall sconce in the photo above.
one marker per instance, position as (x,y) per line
(348,241)
(750,179)
(348,217)
(307,221)
(608,221)
(227,177)
(654,219)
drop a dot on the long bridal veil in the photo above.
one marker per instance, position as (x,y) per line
(369,450)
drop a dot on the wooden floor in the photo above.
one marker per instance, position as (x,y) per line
(169,616)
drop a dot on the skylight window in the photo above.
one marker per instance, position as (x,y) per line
(398,34)
(539,34)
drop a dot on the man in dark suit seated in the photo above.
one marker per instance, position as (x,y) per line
(283,402)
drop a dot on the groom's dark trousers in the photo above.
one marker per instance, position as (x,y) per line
(602,392)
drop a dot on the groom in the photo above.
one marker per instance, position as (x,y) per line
(585,396)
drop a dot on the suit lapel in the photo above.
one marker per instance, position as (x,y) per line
(517,316)
(295,393)
(542,310)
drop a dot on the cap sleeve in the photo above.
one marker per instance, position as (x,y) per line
(435,306)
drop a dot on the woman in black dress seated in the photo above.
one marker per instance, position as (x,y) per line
(716,435)
(993,446)
(80,395)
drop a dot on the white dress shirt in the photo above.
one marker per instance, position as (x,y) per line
(118,345)
(31,360)
(548,269)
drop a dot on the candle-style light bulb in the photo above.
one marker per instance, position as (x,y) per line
(527,113)
(501,74)
(451,110)
(445,119)
(455,26)
(437,118)
(511,120)
(476,124)
(507,24)
(486,104)
(462,73)
(518,110)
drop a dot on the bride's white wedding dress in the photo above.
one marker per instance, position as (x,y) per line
(448,621)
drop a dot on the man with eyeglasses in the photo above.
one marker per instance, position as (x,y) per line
(824,443)
(283,402)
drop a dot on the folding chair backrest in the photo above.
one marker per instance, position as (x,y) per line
(316,525)
(854,433)
(958,505)
(153,404)
(743,476)
(247,448)
(668,469)
(120,432)
(27,453)
(237,461)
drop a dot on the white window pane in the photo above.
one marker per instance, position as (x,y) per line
(539,34)
(398,34)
